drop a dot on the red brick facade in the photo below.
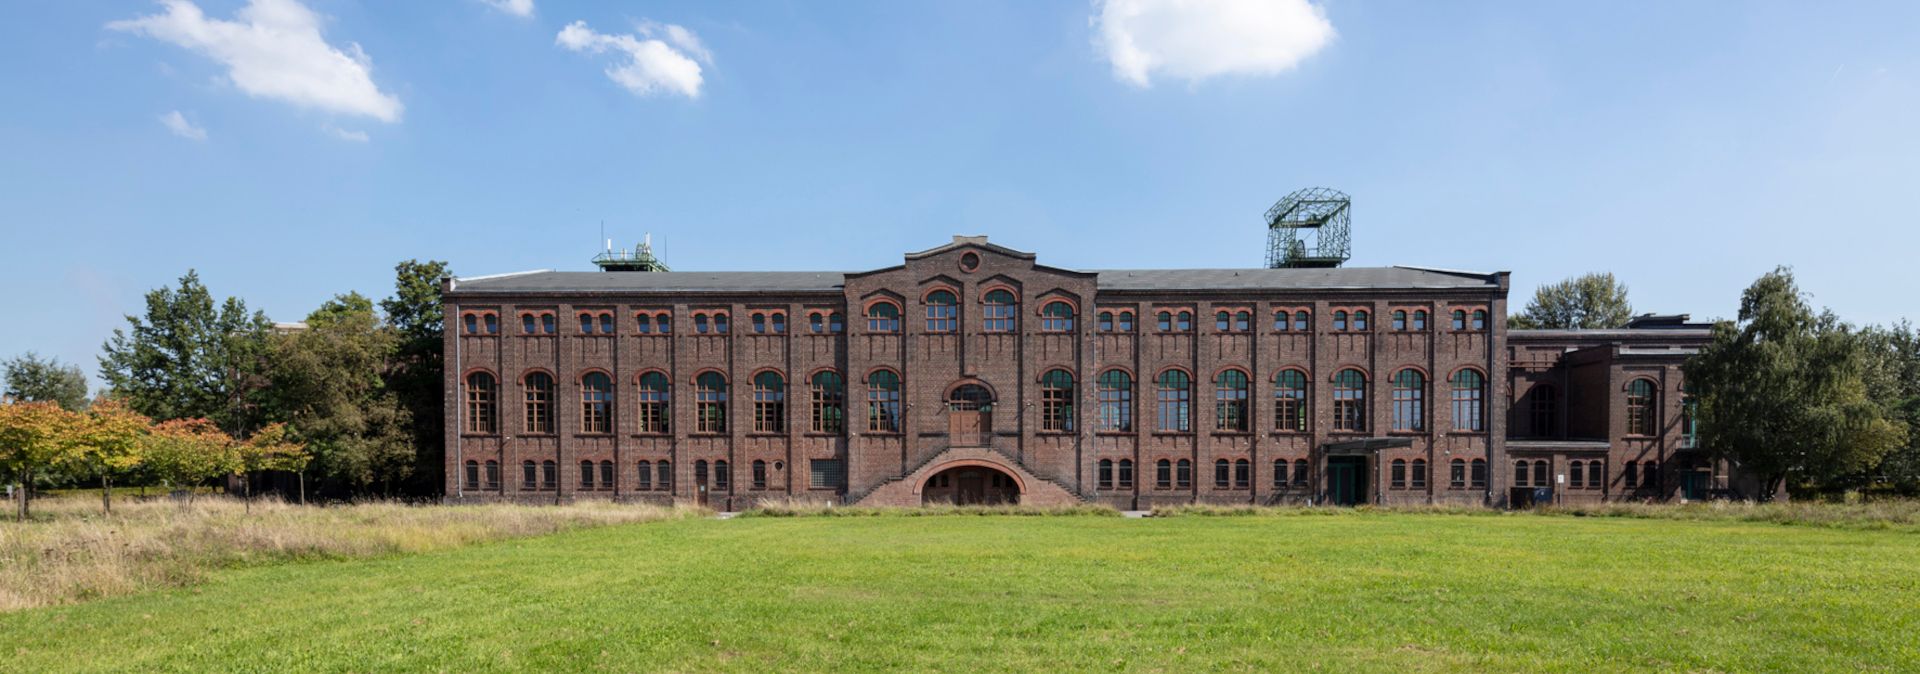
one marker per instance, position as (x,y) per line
(1009,387)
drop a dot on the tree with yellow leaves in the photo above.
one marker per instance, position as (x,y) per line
(35,437)
(273,448)
(108,442)
(187,452)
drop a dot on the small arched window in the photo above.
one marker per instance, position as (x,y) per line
(1242,321)
(1640,410)
(1105,474)
(779,321)
(1105,323)
(528,324)
(1056,317)
(1457,474)
(722,475)
(1165,322)
(644,477)
(883,402)
(472,323)
(1350,401)
(1420,319)
(1479,473)
(483,397)
(1125,321)
(1459,320)
(1280,474)
(817,323)
(1056,401)
(759,321)
(1469,401)
(1174,393)
(493,475)
(710,403)
(1340,320)
(1230,402)
(1242,474)
(663,473)
(1163,474)
(1301,473)
(883,317)
(586,476)
(999,310)
(586,325)
(529,476)
(1419,476)
(759,474)
(492,321)
(1479,319)
(1222,473)
(1301,321)
(700,324)
(1184,321)
(1360,320)
(943,311)
(1577,475)
(596,403)
(1399,320)
(769,403)
(1399,477)
(1183,474)
(644,324)
(547,324)
(836,323)
(472,475)
(549,475)
(1125,479)
(1223,321)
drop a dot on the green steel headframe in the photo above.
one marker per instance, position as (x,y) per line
(641,259)
(1310,228)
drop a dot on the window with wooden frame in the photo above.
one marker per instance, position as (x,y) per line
(943,311)
(1350,401)
(769,403)
(1125,478)
(644,477)
(1290,401)
(1165,322)
(1242,474)
(1114,390)
(529,476)
(1230,402)
(1398,478)
(883,317)
(1222,474)
(1163,474)
(1409,401)
(1543,405)
(883,402)
(1479,319)
(1302,321)
(1640,409)
(759,474)
(999,311)
(1469,401)
(537,389)
(1419,476)
(1056,401)
(1173,391)
(654,404)
(1105,474)
(1302,472)
(710,403)
(493,475)
(1457,474)
(1479,473)
(1183,321)
(1340,321)
(1056,316)
(1459,319)
(596,403)
(829,393)
(1399,320)
(482,403)
(1279,474)
(1183,474)
(1105,323)
(1360,319)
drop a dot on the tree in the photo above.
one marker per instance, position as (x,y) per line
(187,452)
(270,449)
(1783,392)
(1893,381)
(35,437)
(1585,302)
(416,314)
(189,360)
(329,386)
(109,442)
(33,379)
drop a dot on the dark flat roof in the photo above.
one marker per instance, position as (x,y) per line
(1109,279)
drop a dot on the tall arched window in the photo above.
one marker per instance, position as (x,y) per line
(1409,400)
(998,311)
(1302,473)
(1420,319)
(1540,473)
(1222,472)
(829,403)
(1242,474)
(596,403)
(645,477)
(710,403)
(1230,402)
(1056,317)
(1302,320)
(1469,401)
(1419,474)
(943,311)
(1350,401)
(1174,392)
(1056,401)
(1105,474)
(883,317)
(1163,474)
(1640,399)
(654,409)
(883,402)
(482,395)
(1543,402)
(586,476)
(722,475)
(1340,320)
(1479,473)
(1116,401)
(1577,475)
(1183,474)
(1290,401)
(769,403)
(1399,477)
(1279,473)
(538,389)
(1457,474)
(1399,320)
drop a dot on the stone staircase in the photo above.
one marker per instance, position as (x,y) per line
(899,490)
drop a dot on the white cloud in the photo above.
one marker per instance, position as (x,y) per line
(178,124)
(519,8)
(651,65)
(1197,39)
(343,134)
(274,49)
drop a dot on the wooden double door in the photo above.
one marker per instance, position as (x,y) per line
(970,416)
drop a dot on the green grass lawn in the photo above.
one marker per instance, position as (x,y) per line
(1381,592)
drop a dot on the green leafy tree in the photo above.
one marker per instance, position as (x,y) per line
(187,359)
(329,385)
(1585,302)
(33,379)
(186,453)
(1893,381)
(271,449)
(1783,391)
(109,443)
(415,313)
(35,438)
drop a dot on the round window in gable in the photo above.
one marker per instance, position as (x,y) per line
(969,261)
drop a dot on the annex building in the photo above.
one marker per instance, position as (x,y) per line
(972,373)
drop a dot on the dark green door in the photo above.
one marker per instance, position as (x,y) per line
(1694,485)
(1347,480)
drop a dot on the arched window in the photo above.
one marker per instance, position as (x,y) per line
(1222,474)
(529,476)
(1115,390)
(1399,474)
(1360,320)
(529,324)
(1125,480)
(1420,319)
(1340,320)
(1165,321)
(644,323)
(538,394)
(1543,402)
(710,403)
(759,474)
(829,403)
(1290,401)
(664,471)
(759,322)
(1279,473)
(1230,402)
(1480,319)
(493,475)
(1650,475)
(1459,320)
(1577,475)
(1350,401)
(1301,473)
(769,403)
(1242,321)
(547,324)
(473,475)
(492,322)
(1630,474)
(1242,474)
(1163,474)
(472,323)
(700,473)
(549,475)
(1105,474)
(1419,477)
(722,475)
(1479,473)
(1520,473)
(645,477)
(1596,474)
(1457,474)
(1223,322)
(883,317)
(586,324)
(1540,473)
(1302,321)
(586,476)
(883,402)
(1409,401)
(1399,319)
(836,323)
(1056,401)
(998,311)
(1183,474)
(1280,320)
(779,320)
(655,409)
(1174,392)
(720,323)
(482,395)
(700,324)
(596,403)
(1640,413)
(1056,317)
(1469,401)
(1105,323)
(943,311)
(1125,322)
(817,323)
(1184,321)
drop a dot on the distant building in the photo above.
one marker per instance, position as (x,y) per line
(971,373)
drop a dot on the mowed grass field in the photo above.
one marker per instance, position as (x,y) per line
(1380,592)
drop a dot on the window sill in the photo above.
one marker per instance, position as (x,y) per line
(1055,433)
(652,435)
(1232,434)
(593,435)
(1294,434)
(1115,433)
(1465,433)
(822,434)
(883,434)
(1176,434)
(479,435)
(1410,434)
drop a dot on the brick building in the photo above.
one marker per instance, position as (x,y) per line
(971,373)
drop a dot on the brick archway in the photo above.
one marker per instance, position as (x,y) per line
(971,482)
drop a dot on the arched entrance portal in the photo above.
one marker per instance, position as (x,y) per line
(970,416)
(970,485)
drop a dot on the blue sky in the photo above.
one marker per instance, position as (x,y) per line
(1687,147)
